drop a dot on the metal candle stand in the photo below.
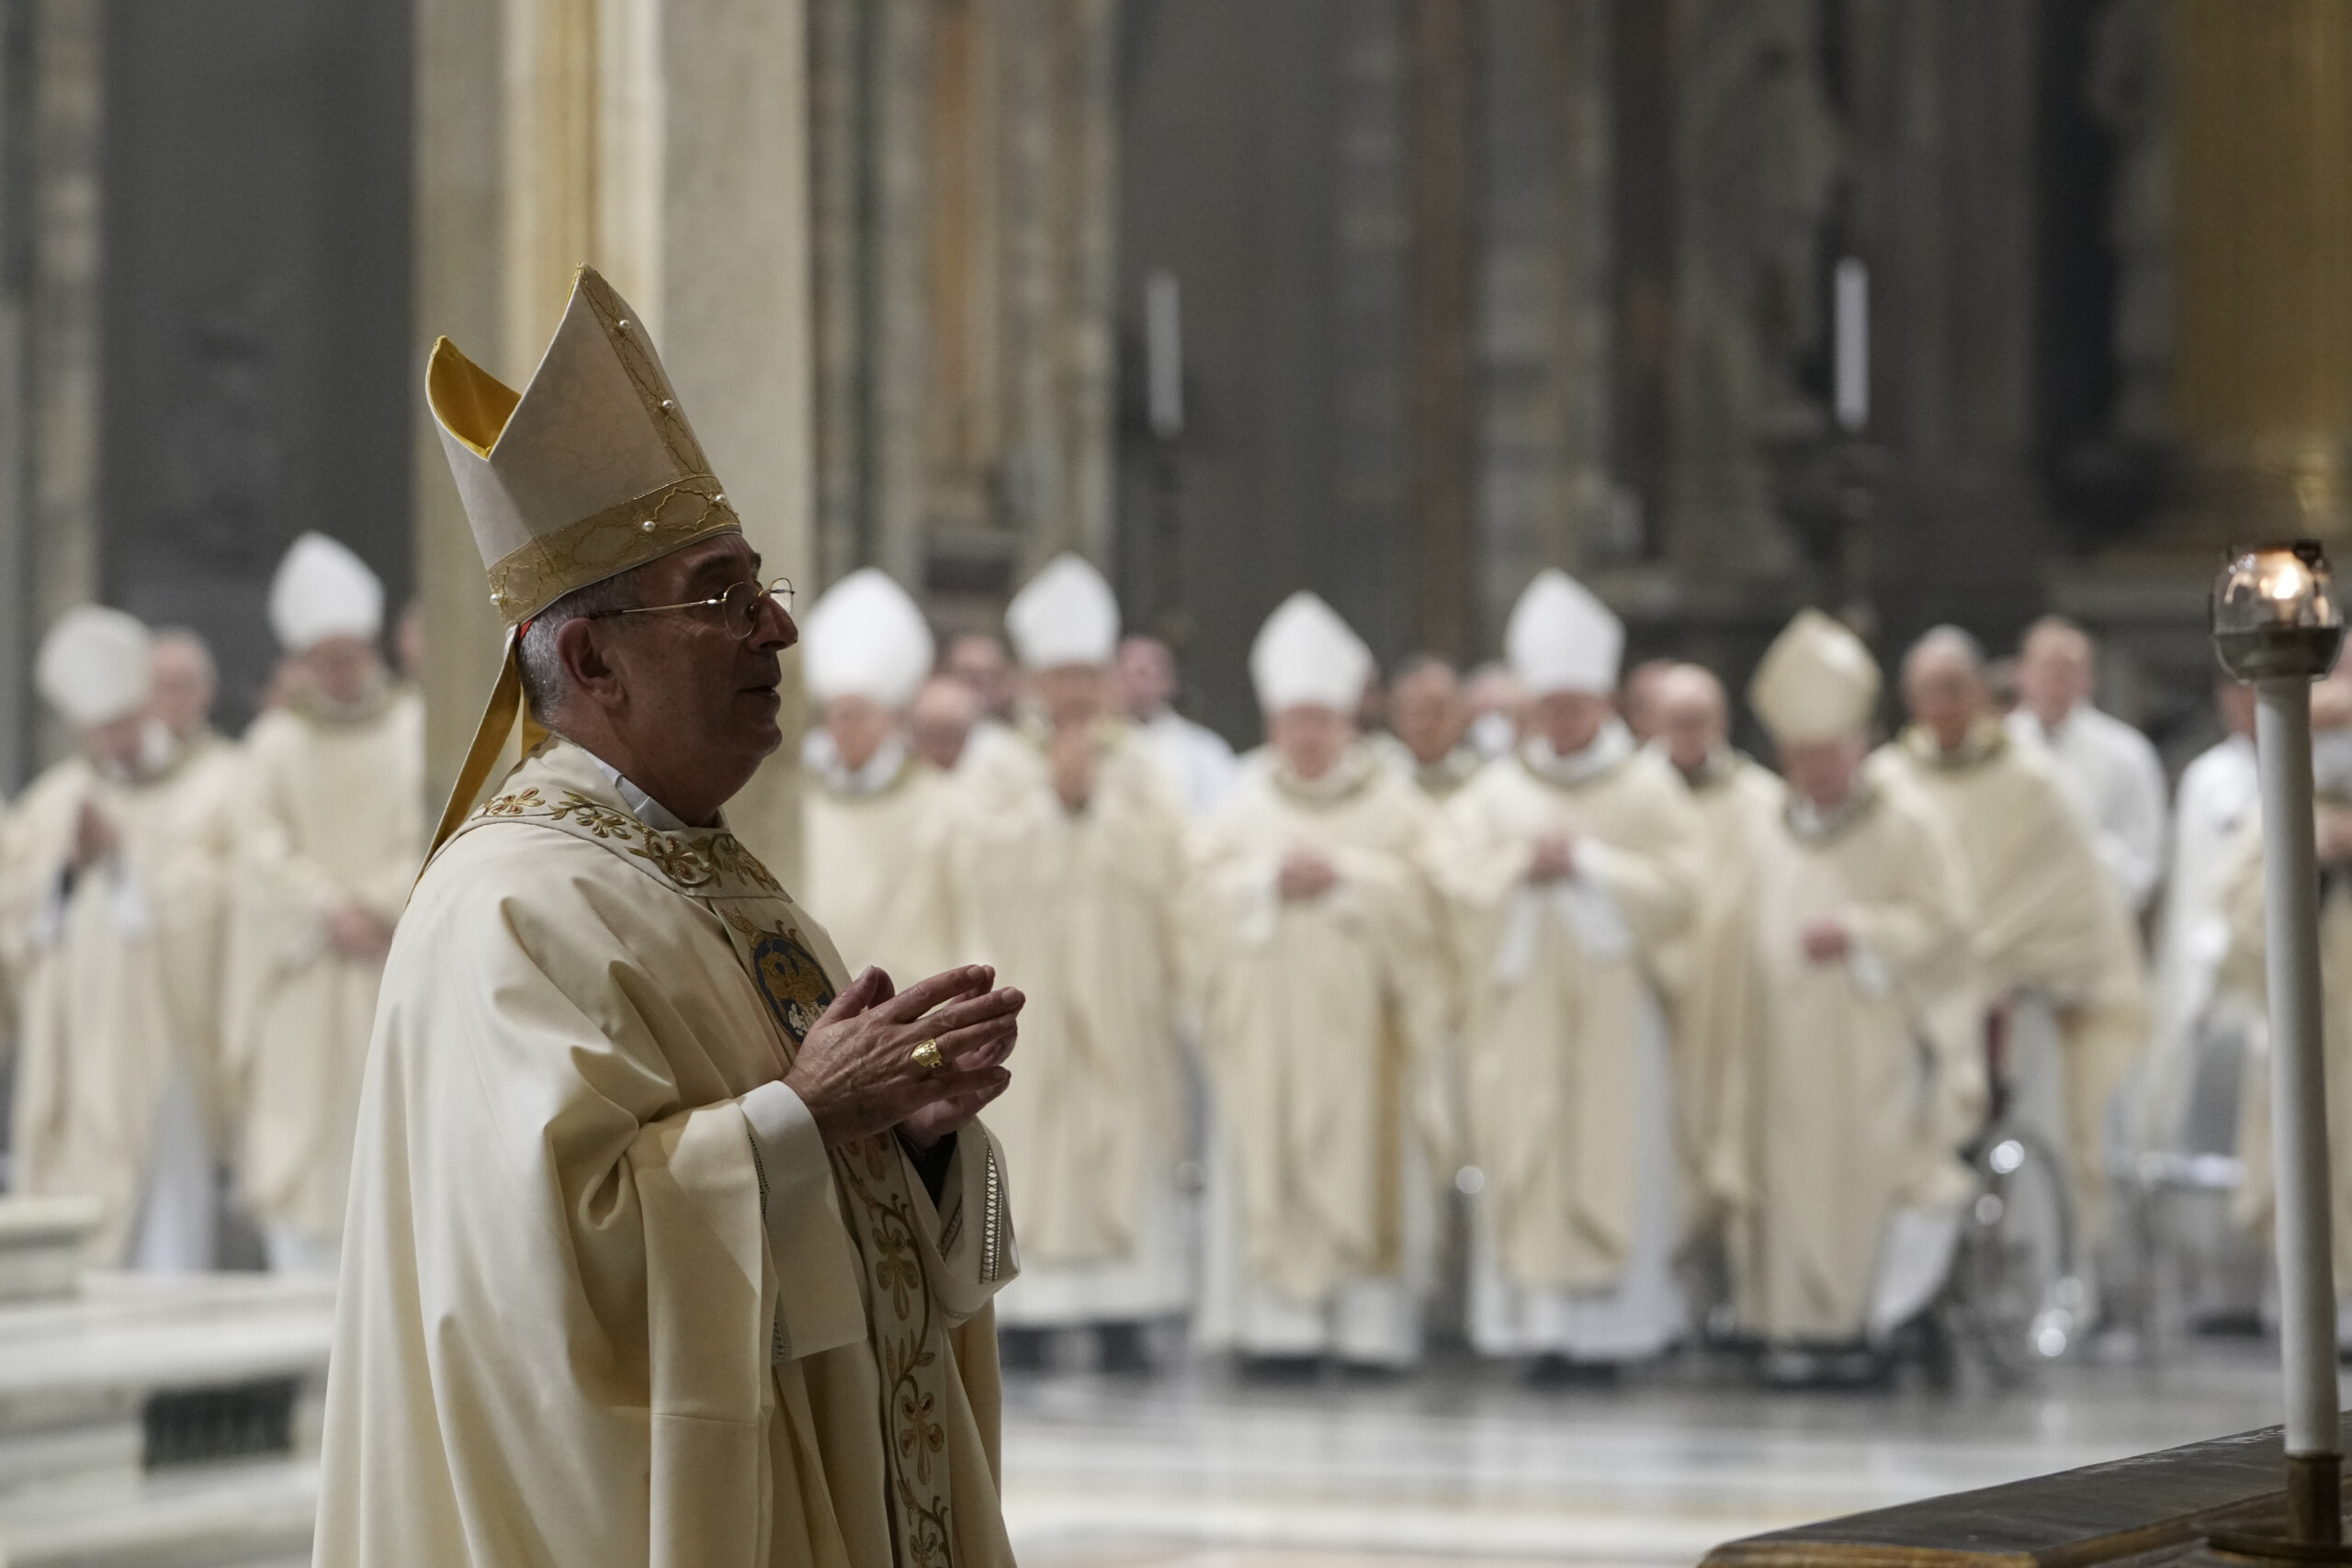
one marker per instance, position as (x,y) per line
(2276,625)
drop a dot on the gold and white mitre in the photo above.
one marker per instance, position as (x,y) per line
(94,668)
(1306,656)
(1561,638)
(1818,681)
(866,639)
(589,471)
(1066,615)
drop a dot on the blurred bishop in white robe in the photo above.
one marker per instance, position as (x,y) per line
(114,869)
(873,815)
(1572,867)
(1845,1180)
(1325,1004)
(2056,956)
(1068,869)
(1738,799)
(2110,768)
(332,833)
(1428,738)
(671,1242)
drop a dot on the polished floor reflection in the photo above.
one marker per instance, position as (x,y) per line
(1204,1467)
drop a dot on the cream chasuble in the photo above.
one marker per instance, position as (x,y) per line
(874,851)
(584,1321)
(1708,1007)
(117,974)
(334,814)
(1567,1105)
(1831,1123)
(2048,921)
(1078,909)
(1323,1024)
(2242,975)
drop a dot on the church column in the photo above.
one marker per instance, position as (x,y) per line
(666,144)
(61,341)
(2262,393)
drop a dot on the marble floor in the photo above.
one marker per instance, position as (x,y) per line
(1462,1464)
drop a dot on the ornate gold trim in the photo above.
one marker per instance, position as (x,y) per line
(527,580)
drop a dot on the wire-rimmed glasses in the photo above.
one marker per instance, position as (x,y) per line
(738,607)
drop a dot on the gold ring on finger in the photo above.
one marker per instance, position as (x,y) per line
(928,1058)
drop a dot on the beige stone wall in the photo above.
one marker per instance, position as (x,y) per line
(664,143)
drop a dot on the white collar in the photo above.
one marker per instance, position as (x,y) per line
(822,757)
(1604,752)
(641,805)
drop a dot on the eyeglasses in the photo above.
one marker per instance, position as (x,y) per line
(738,607)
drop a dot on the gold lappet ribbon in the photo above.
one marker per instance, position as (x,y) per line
(498,719)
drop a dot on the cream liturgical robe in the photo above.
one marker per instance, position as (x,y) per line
(2048,920)
(874,854)
(334,814)
(1738,802)
(2242,975)
(1830,1122)
(116,971)
(587,1319)
(1323,1024)
(1566,1080)
(1078,909)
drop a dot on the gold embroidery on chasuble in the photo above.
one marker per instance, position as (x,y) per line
(907,1327)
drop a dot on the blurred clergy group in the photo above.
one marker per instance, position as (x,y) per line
(1519,1004)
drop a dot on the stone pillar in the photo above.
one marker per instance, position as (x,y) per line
(68,123)
(2262,393)
(665,143)
(1439,99)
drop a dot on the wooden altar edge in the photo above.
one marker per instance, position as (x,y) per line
(2145,1509)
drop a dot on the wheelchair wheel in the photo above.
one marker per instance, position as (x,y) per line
(2017,1297)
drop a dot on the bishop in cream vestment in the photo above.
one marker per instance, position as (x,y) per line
(1076,905)
(1567,1094)
(1846,1109)
(615,1293)
(116,962)
(1324,1018)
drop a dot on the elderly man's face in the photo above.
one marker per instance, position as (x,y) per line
(1428,713)
(1072,693)
(183,685)
(858,726)
(1824,771)
(979,661)
(1943,693)
(1570,721)
(940,722)
(690,688)
(1146,677)
(2055,673)
(343,669)
(1693,719)
(1309,737)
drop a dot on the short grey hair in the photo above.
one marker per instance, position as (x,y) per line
(544,684)
(1951,640)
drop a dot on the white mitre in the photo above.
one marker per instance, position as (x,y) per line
(1561,638)
(866,639)
(589,471)
(1817,682)
(322,590)
(1306,656)
(94,667)
(1066,615)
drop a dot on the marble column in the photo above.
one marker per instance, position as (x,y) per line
(2262,390)
(667,144)
(62,311)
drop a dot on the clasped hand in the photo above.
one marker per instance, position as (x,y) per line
(856,1071)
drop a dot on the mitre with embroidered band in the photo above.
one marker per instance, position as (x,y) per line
(589,471)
